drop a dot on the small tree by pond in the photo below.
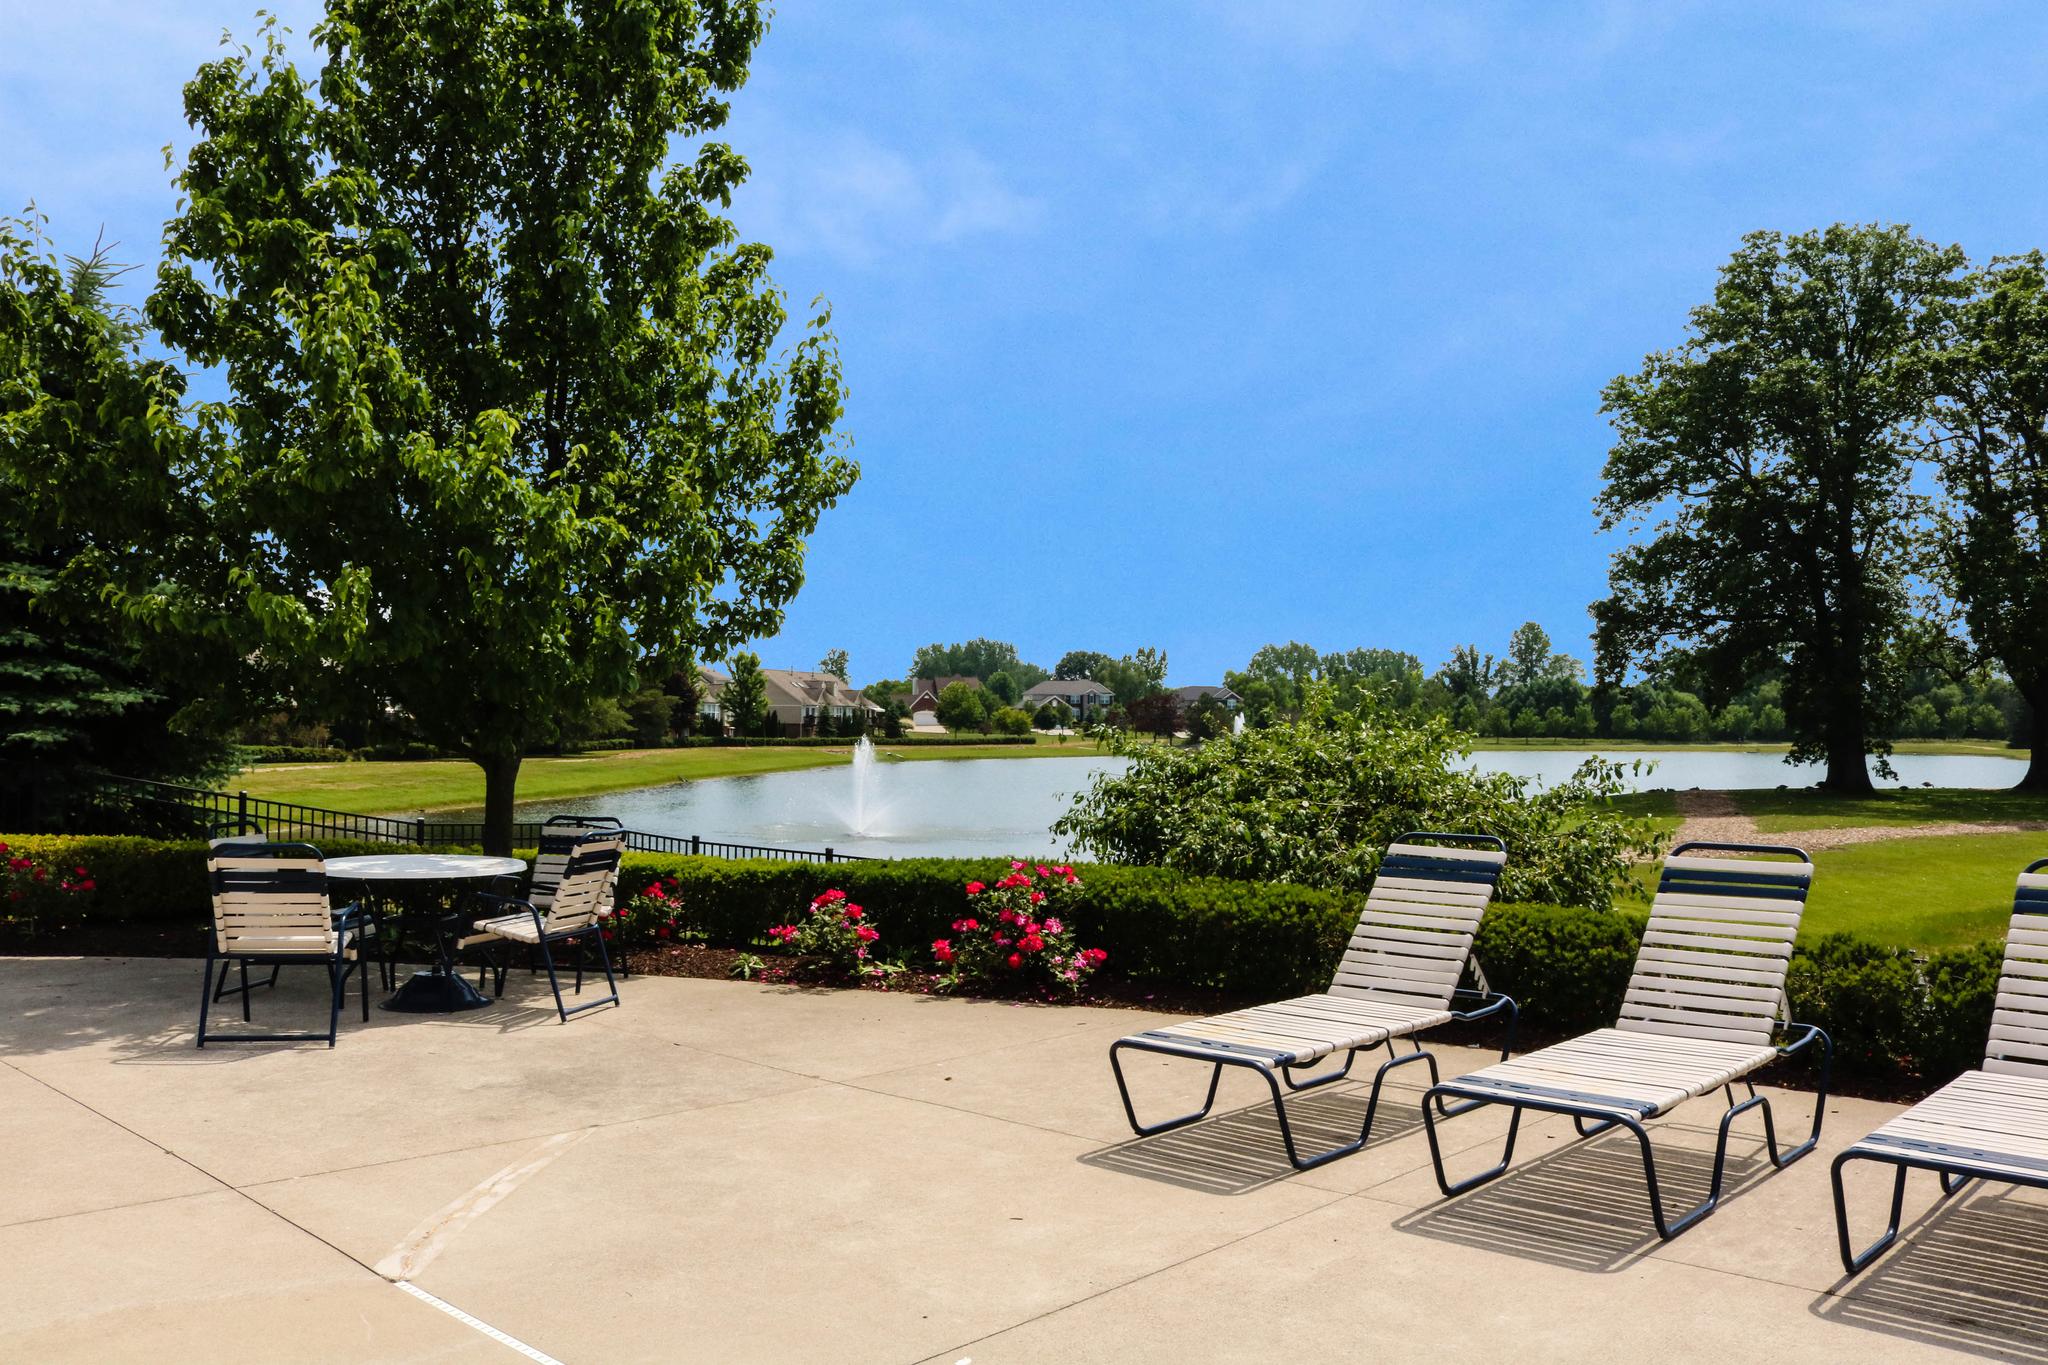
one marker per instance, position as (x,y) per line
(1316,801)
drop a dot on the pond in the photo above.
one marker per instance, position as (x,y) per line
(1005,807)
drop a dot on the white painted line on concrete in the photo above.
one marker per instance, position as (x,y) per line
(431,1237)
(504,1339)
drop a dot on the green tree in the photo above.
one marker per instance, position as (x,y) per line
(978,658)
(962,708)
(1991,450)
(81,698)
(745,695)
(834,663)
(505,408)
(651,712)
(1003,687)
(1054,715)
(1470,675)
(1009,720)
(1769,456)
(1076,664)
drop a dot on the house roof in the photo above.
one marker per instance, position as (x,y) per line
(803,687)
(1197,691)
(1066,689)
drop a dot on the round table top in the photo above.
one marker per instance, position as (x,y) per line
(422,867)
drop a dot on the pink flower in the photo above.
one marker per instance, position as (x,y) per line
(1016,867)
(1002,940)
(966,926)
(1042,871)
(1052,926)
(1031,943)
(975,888)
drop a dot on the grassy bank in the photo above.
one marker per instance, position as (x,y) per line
(451,784)
(1792,810)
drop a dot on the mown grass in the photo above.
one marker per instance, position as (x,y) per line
(1920,893)
(437,784)
(1996,748)
(1791,810)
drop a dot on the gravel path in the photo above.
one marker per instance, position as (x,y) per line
(1714,817)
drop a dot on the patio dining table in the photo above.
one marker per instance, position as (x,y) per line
(440,989)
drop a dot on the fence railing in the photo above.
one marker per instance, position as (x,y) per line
(215,812)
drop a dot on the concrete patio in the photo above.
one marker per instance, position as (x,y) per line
(723,1171)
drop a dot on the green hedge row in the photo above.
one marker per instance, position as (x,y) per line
(1898,1018)
(841,741)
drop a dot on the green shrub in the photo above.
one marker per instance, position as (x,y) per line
(1566,967)
(146,879)
(1009,720)
(293,753)
(1961,987)
(1868,997)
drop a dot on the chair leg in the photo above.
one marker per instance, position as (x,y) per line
(364,968)
(244,965)
(1372,1105)
(1166,1125)
(206,996)
(554,982)
(337,983)
(1853,1260)
(1431,1103)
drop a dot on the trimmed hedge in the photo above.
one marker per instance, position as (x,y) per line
(145,879)
(295,753)
(1156,925)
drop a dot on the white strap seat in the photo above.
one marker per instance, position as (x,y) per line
(1619,1072)
(1291,1032)
(517,927)
(1983,1122)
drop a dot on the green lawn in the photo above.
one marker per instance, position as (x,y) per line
(1922,893)
(1785,812)
(375,788)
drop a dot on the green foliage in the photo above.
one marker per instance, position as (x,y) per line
(1080,663)
(505,411)
(651,712)
(1317,801)
(744,698)
(1008,720)
(1053,715)
(1566,967)
(1003,687)
(835,663)
(1770,456)
(962,708)
(978,658)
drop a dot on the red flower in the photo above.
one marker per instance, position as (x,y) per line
(656,892)
(1031,943)
(824,896)
(975,888)
(607,935)
(867,934)
(1042,871)
(86,885)
(1037,897)
(942,950)
(853,912)
(1013,961)
(1096,957)
(966,926)
(1002,940)
(663,932)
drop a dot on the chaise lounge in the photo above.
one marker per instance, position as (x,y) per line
(1398,976)
(1988,1124)
(1700,1014)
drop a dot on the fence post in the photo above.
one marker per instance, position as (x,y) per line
(696,846)
(419,829)
(241,812)
(828,853)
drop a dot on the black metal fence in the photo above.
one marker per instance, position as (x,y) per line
(206,812)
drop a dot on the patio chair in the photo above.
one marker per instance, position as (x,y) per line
(1700,1014)
(270,908)
(366,919)
(558,838)
(1988,1124)
(1398,976)
(574,915)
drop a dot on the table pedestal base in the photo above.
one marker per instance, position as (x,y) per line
(435,993)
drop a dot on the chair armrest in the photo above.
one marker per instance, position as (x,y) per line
(1498,1003)
(1812,1031)
(506,887)
(493,905)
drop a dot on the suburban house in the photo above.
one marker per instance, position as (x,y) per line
(797,698)
(1188,696)
(924,696)
(1086,698)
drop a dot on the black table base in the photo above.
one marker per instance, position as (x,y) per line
(435,992)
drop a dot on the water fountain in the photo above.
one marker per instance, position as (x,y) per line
(1237,724)
(866,804)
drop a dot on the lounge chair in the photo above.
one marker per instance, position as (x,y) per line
(574,914)
(558,838)
(1700,1014)
(1398,976)
(270,908)
(1989,1124)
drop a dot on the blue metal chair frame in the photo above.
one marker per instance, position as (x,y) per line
(492,905)
(337,964)
(1601,1120)
(1274,1078)
(1954,1173)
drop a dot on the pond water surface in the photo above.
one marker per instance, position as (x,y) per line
(1006,806)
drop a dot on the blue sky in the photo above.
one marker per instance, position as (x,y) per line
(1205,325)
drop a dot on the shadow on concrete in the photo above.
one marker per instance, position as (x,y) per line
(58,1004)
(1585,1206)
(1971,1276)
(1240,1151)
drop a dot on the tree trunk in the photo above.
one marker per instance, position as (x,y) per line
(2036,694)
(1848,758)
(501,780)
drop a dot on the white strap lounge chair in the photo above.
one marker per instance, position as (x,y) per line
(581,900)
(1989,1124)
(1700,1013)
(558,838)
(1398,976)
(270,908)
